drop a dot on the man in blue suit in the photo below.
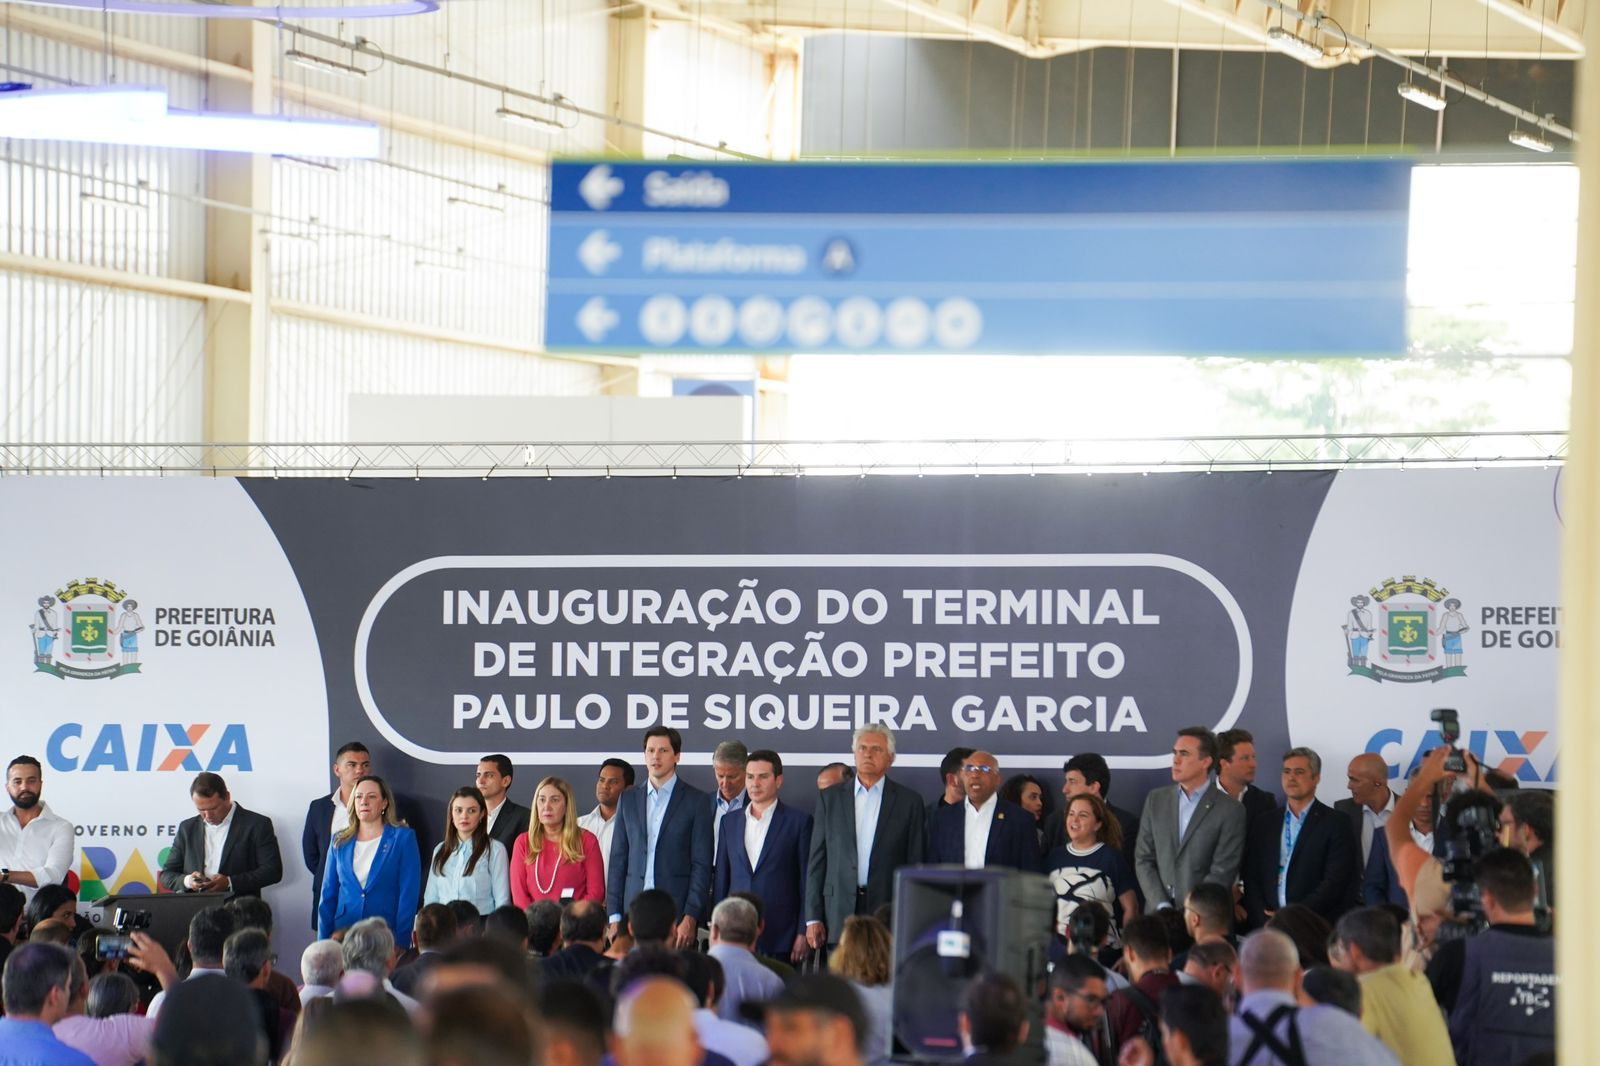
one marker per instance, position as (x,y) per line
(662,840)
(763,849)
(985,830)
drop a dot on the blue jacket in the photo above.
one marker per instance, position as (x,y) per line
(779,876)
(1013,838)
(683,851)
(394,884)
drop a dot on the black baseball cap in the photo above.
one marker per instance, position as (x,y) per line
(820,992)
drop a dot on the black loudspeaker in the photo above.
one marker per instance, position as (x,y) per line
(950,924)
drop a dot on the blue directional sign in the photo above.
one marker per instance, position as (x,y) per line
(1244,258)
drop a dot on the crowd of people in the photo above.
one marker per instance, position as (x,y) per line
(1219,925)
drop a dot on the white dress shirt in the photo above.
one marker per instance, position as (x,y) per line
(979,821)
(720,807)
(494,814)
(869,804)
(42,848)
(361,859)
(755,830)
(341,814)
(597,823)
(1371,822)
(216,839)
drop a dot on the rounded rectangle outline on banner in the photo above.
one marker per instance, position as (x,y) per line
(1201,575)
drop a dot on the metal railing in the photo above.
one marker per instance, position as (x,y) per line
(793,458)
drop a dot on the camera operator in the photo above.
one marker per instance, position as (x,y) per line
(1528,824)
(1504,1009)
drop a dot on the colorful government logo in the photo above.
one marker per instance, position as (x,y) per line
(1409,630)
(76,640)
(100,874)
(1520,754)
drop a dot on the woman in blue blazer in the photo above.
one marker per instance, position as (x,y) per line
(374,868)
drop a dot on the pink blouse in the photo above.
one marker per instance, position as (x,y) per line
(550,876)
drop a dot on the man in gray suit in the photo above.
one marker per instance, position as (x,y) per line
(866,828)
(1191,833)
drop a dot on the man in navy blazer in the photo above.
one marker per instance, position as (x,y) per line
(984,830)
(764,848)
(1304,852)
(662,840)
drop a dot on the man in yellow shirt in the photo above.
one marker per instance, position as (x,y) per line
(1397,1004)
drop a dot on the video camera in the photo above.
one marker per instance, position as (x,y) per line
(117,945)
(1472,832)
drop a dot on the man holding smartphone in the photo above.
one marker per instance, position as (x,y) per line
(224,848)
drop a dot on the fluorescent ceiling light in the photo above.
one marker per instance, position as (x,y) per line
(128,116)
(1420,96)
(324,64)
(1298,47)
(1531,141)
(522,118)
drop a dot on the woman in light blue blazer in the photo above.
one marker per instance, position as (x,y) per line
(470,864)
(374,868)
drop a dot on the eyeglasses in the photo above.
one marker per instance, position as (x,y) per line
(1092,1000)
(974,768)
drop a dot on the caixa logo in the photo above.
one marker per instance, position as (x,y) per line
(1504,749)
(162,748)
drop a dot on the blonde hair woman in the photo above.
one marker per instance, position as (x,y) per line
(555,859)
(374,867)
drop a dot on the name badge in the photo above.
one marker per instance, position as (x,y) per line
(568,893)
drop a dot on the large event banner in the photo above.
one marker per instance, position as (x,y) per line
(249,627)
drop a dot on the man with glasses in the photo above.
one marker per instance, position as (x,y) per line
(984,830)
(1075,1032)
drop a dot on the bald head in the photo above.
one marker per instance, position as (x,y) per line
(1268,960)
(654,1025)
(1368,781)
(980,776)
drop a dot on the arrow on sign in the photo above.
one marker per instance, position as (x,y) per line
(595,319)
(598,188)
(598,251)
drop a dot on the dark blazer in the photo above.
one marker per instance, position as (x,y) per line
(1013,840)
(394,885)
(1257,802)
(1320,871)
(318,835)
(510,823)
(1167,868)
(779,875)
(408,978)
(249,856)
(574,962)
(1381,882)
(683,851)
(1352,810)
(899,840)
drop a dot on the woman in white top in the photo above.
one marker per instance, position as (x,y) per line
(469,864)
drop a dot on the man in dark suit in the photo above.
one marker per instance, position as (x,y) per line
(1381,882)
(432,932)
(1236,772)
(1302,853)
(583,940)
(662,840)
(1088,772)
(329,814)
(508,819)
(224,848)
(983,829)
(866,828)
(1371,799)
(1191,832)
(764,848)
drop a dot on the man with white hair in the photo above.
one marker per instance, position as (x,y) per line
(865,829)
(1270,1030)
(321,966)
(734,928)
(369,948)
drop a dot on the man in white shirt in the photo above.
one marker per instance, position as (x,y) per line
(616,777)
(36,844)
(224,848)
(321,966)
(1371,800)
(985,830)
